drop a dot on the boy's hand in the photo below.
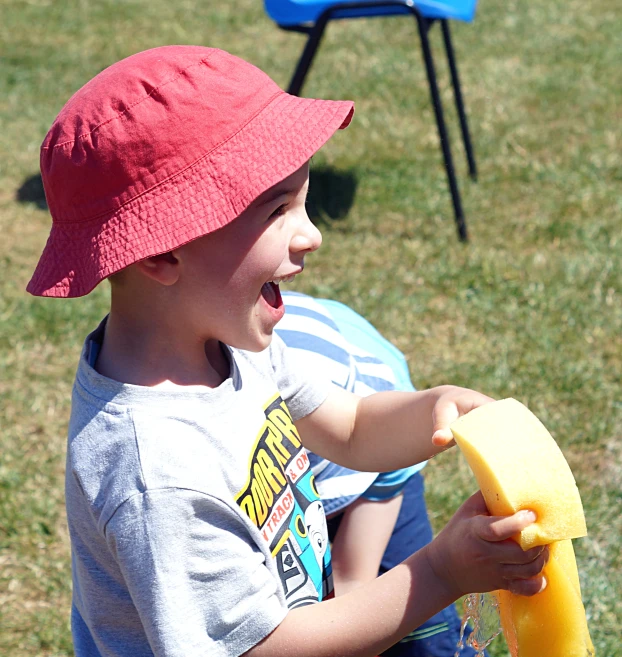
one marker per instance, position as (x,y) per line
(452,403)
(474,553)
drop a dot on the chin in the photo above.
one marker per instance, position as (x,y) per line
(257,345)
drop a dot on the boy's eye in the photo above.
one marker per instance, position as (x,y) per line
(279,211)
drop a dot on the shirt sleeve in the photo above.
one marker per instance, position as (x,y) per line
(201,586)
(302,389)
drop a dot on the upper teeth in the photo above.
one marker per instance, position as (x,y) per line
(283,279)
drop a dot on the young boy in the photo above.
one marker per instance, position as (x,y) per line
(375,521)
(195,525)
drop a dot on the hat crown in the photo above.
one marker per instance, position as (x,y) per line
(142,121)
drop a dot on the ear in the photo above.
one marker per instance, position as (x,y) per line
(163,268)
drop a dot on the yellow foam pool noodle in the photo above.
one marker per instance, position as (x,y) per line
(518,465)
(553,622)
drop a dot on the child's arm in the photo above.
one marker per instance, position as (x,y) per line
(473,553)
(360,542)
(352,431)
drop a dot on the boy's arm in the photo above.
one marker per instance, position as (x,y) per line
(360,542)
(353,431)
(473,553)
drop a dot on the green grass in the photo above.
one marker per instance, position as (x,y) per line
(530,308)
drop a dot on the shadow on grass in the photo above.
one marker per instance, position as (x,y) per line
(331,194)
(31,191)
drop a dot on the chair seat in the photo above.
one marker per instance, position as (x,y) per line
(299,12)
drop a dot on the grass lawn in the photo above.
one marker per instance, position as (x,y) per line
(530,308)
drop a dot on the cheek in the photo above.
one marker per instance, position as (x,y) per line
(246,278)
(237,289)
(236,272)
(260,263)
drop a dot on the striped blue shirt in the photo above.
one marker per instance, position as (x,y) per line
(328,337)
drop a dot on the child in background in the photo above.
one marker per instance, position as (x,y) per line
(370,528)
(181,173)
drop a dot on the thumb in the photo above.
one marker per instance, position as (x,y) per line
(442,417)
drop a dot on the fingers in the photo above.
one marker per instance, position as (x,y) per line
(477,552)
(521,569)
(527,587)
(500,528)
(450,406)
(443,438)
(442,416)
(532,565)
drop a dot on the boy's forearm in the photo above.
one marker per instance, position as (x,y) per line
(382,432)
(394,429)
(387,430)
(362,623)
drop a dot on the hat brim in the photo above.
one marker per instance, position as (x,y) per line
(203,197)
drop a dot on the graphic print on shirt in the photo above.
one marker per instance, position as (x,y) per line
(281,500)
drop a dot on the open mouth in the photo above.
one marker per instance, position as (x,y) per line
(272,294)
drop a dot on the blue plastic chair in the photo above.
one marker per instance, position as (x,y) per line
(311,17)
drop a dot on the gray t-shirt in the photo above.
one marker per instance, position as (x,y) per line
(194,519)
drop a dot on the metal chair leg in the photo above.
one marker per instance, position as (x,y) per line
(423,26)
(308,53)
(315,34)
(455,80)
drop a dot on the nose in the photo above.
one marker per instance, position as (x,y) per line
(307,237)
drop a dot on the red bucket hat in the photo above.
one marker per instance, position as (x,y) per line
(162,148)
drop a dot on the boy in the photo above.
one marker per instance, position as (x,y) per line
(195,525)
(375,521)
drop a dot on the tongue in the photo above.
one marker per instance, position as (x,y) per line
(271,293)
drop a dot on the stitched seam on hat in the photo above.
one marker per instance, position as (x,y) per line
(178,173)
(127,109)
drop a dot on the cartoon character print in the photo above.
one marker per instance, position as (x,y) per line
(312,508)
(281,499)
(315,520)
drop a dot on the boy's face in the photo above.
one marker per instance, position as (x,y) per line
(229,283)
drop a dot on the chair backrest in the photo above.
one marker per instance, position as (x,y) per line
(300,12)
